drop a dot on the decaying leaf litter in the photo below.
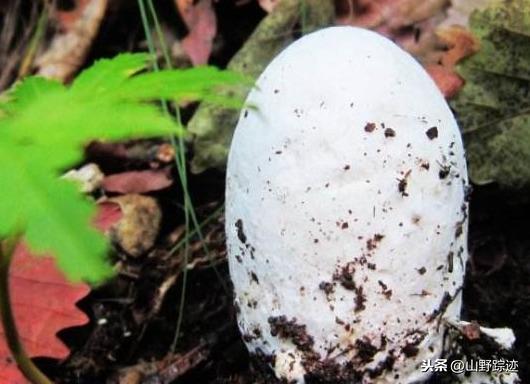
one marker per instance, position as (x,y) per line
(134,317)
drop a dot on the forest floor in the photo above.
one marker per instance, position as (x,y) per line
(210,349)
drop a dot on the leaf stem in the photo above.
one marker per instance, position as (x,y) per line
(190,216)
(26,366)
(180,158)
(189,209)
(303,17)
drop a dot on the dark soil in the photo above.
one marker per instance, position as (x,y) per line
(496,294)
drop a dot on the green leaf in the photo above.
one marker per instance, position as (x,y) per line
(54,215)
(107,74)
(43,129)
(30,90)
(76,123)
(493,108)
(195,83)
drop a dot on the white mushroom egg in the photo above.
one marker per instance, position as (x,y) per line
(346,217)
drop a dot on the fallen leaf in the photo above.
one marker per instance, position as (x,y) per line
(137,229)
(43,303)
(69,48)
(452,44)
(138,181)
(108,214)
(447,80)
(201,21)
(493,108)
(459,42)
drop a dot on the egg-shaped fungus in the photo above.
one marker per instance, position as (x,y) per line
(346,212)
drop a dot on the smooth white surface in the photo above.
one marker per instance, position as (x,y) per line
(310,187)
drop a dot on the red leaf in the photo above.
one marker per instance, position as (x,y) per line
(446,79)
(109,213)
(137,181)
(43,303)
(202,25)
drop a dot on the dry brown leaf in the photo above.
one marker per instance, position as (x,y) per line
(456,43)
(460,43)
(69,48)
(137,229)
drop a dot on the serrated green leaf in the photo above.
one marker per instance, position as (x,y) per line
(107,74)
(29,91)
(54,215)
(493,108)
(43,130)
(195,83)
(75,124)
